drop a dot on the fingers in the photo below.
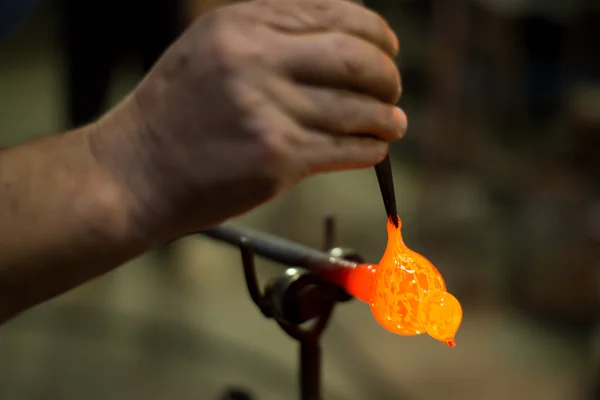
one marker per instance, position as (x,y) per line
(348,113)
(306,16)
(337,153)
(339,112)
(342,61)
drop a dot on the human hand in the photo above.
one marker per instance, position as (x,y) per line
(252,98)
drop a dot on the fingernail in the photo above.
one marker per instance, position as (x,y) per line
(402,120)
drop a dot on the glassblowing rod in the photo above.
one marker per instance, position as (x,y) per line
(280,250)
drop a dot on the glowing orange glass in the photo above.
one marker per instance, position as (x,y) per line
(406,292)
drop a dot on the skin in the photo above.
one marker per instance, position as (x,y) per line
(251,99)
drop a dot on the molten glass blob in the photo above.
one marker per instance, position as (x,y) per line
(406,292)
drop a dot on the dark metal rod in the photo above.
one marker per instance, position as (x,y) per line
(386,185)
(310,370)
(280,250)
(250,274)
(329,240)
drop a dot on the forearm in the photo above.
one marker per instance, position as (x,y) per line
(63,220)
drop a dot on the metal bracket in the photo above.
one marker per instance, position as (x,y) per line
(302,305)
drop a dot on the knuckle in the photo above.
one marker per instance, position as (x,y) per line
(269,160)
(272,148)
(222,38)
(233,45)
(292,16)
(374,151)
(272,152)
(347,52)
(357,112)
(349,113)
(325,12)
(274,160)
(278,6)
(307,14)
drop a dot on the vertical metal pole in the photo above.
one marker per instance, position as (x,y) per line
(310,370)
(329,239)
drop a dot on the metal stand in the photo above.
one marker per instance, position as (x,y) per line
(302,304)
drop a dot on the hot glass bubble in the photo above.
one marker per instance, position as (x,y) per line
(407,294)
(441,314)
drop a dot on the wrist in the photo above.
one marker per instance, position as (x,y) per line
(116,142)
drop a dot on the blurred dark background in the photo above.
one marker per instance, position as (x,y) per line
(498,183)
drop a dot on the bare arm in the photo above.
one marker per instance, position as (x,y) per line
(62,220)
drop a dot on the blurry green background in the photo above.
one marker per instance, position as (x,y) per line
(498,183)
